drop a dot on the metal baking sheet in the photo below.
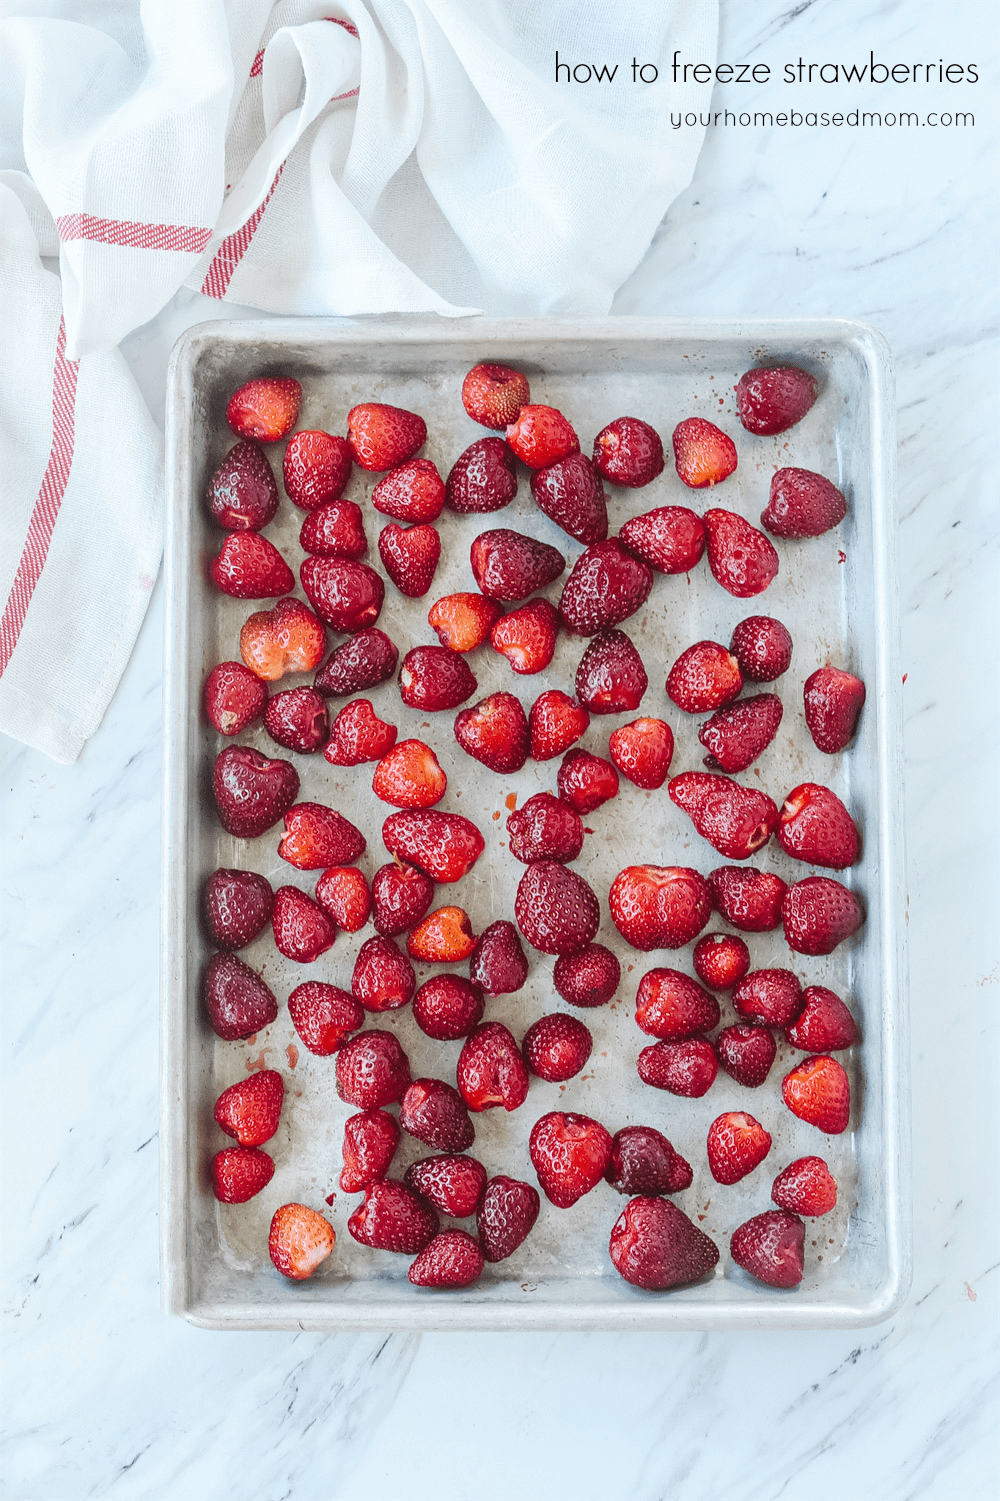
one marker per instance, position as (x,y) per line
(836,594)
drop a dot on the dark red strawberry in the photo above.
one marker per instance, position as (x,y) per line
(833,703)
(671,1006)
(463,621)
(818,1091)
(642,751)
(659,906)
(506,1216)
(611,678)
(818,913)
(493,395)
(555,909)
(570,493)
(570,1153)
(770,1247)
(393,1218)
(628,452)
(737,1143)
(705,676)
(587,978)
(452,1259)
(409,776)
(447,1007)
(491,1071)
(802,504)
(234,697)
(239,1173)
(250,567)
(540,436)
(443,845)
(545,829)
(816,827)
(300,1240)
(454,1184)
(435,1114)
(288,638)
(242,493)
(370,1142)
(654,1245)
(749,899)
(410,557)
(771,399)
(735,736)
(746,1054)
(498,965)
(703,454)
(316,468)
(367,659)
(736,820)
(343,892)
(762,647)
(252,792)
(413,492)
(302,930)
(236,998)
(555,721)
(445,936)
(334,530)
(741,558)
(556,1047)
(686,1067)
(381,436)
(720,960)
(585,781)
(509,566)
(824,1025)
(433,678)
(643,1161)
(324,1016)
(265,408)
(606,586)
(298,720)
(383,978)
(346,594)
(768,997)
(482,479)
(372,1070)
(318,837)
(527,636)
(495,733)
(671,539)
(250,1110)
(401,894)
(237,907)
(806,1186)
(358,735)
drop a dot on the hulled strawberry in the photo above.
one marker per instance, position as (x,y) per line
(769,997)
(771,399)
(508,566)
(401,894)
(443,845)
(570,1153)
(737,1143)
(833,703)
(358,735)
(818,1091)
(736,820)
(806,1186)
(802,504)
(239,1174)
(237,1000)
(736,735)
(720,960)
(264,409)
(555,909)
(252,792)
(642,751)
(746,1054)
(671,539)
(824,1025)
(318,837)
(482,479)
(242,493)
(288,638)
(324,1016)
(364,661)
(541,435)
(343,892)
(347,595)
(383,978)
(382,436)
(589,977)
(545,829)
(393,1217)
(435,1114)
(250,567)
(816,827)
(659,906)
(447,1007)
(237,907)
(818,913)
(670,1005)
(297,719)
(410,557)
(372,1070)
(643,1161)
(703,454)
(334,530)
(654,1245)
(444,936)
(570,493)
(686,1067)
(300,1240)
(585,781)
(234,697)
(770,1247)
(493,395)
(491,1072)
(741,558)
(556,1047)
(413,492)
(749,899)
(506,1216)
(762,648)
(316,468)
(453,1258)
(302,930)
(606,585)
(495,733)
(250,1109)
(370,1142)
(453,1183)
(628,452)
(705,676)
(498,965)
(526,636)
(555,722)
(611,678)
(432,678)
(463,621)
(410,776)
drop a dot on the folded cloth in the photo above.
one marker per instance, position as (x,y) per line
(367,156)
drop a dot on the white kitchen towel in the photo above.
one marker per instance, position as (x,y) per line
(364,157)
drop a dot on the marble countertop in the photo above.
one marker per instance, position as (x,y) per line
(107,1397)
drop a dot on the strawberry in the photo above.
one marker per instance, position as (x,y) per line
(463,621)
(555,909)
(670,539)
(288,638)
(251,792)
(445,936)
(236,998)
(250,1109)
(736,735)
(642,751)
(393,1218)
(802,504)
(413,492)
(367,659)
(545,829)
(654,1245)
(746,1054)
(671,1006)
(239,1173)
(401,895)
(265,409)
(833,703)
(250,567)
(297,719)
(372,1070)
(687,1066)
(587,978)
(433,678)
(383,978)
(435,1114)
(506,1216)
(824,1025)
(358,735)
(498,965)
(806,1186)
(540,436)
(736,820)
(705,676)
(605,586)
(316,468)
(242,494)
(324,1016)
(570,493)
(768,997)
(410,557)
(769,1247)
(508,566)
(382,437)
(233,697)
(643,1161)
(493,395)
(818,913)
(495,733)
(816,827)
(610,678)
(628,452)
(749,899)
(659,906)
(347,595)
(557,1046)
(318,837)
(452,1259)
(491,1071)
(585,781)
(370,1142)
(302,930)
(818,1091)
(453,1183)
(720,960)
(762,648)
(771,399)
(334,530)
(409,776)
(555,721)
(482,479)
(447,1007)
(527,636)
(300,1240)
(570,1153)
(343,893)
(737,1143)
(703,454)
(237,907)
(741,558)
(443,845)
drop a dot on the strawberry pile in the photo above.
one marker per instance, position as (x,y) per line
(324,714)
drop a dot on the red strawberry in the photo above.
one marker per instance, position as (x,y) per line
(587,978)
(233,697)
(629,452)
(316,468)
(527,636)
(818,913)
(737,1143)
(606,586)
(768,997)
(654,1245)
(806,1186)
(705,676)
(585,781)
(435,1114)
(671,1006)
(383,978)
(498,965)
(685,1067)
(358,735)
(495,733)
(302,930)
(251,791)
(381,436)
(736,820)
(482,479)
(239,1173)
(370,1142)
(242,494)
(741,558)
(555,721)
(570,493)
(443,845)
(642,751)
(611,678)
(300,1239)
(401,895)
(824,1025)
(659,906)
(555,909)
(433,678)
(346,594)
(447,1007)
(250,1110)
(343,892)
(540,436)
(735,736)
(324,1016)
(506,1216)
(762,647)
(393,1218)
(463,621)
(335,530)
(802,504)
(318,837)
(816,827)
(833,704)
(236,998)
(769,1247)
(367,659)
(452,1183)
(250,567)
(746,1054)
(749,899)
(556,1047)
(670,539)
(818,1091)
(545,829)
(703,454)
(720,960)
(288,638)
(445,936)
(643,1161)
(493,395)
(237,907)
(372,1070)
(491,1071)
(570,1153)
(772,399)
(413,492)
(409,776)
(297,719)
(452,1259)
(410,557)
(509,566)
(265,409)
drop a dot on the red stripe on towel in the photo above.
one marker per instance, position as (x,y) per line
(234,247)
(182,237)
